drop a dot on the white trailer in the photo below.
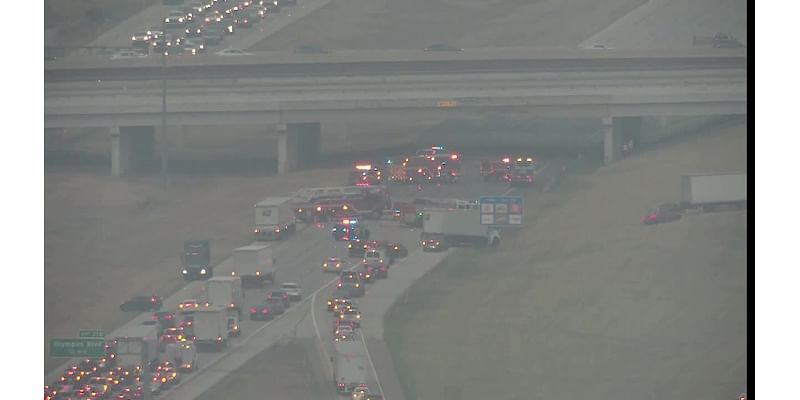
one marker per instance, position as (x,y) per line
(275,218)
(254,264)
(211,327)
(137,344)
(349,365)
(458,227)
(225,290)
(712,190)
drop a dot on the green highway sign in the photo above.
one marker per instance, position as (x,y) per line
(77,347)
(91,333)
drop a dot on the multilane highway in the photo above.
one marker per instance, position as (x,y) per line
(299,261)
(391,62)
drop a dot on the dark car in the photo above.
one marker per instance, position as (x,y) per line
(142,303)
(434,243)
(351,281)
(663,213)
(276,305)
(396,250)
(279,294)
(381,272)
(366,273)
(339,296)
(443,47)
(261,312)
(356,248)
(165,319)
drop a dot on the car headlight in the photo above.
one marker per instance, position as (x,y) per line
(203,271)
(184,272)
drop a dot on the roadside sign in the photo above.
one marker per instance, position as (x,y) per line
(91,333)
(77,347)
(502,210)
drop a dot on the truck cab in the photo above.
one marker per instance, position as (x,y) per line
(196,260)
(521,171)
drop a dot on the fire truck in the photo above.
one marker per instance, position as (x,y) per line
(410,213)
(521,171)
(323,204)
(365,174)
(422,169)
(495,170)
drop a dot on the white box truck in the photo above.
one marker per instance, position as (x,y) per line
(349,365)
(457,227)
(211,327)
(254,264)
(225,290)
(183,354)
(275,218)
(131,347)
(708,191)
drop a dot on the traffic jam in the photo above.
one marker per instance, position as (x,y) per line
(199,26)
(155,355)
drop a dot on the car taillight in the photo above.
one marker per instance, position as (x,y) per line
(253,310)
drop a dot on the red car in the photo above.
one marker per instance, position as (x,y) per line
(663,213)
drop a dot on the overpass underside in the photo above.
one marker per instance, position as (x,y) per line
(297,107)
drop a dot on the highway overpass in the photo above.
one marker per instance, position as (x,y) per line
(298,92)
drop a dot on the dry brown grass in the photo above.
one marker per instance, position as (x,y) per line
(586,302)
(107,239)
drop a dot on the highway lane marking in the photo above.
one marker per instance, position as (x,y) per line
(322,345)
(319,337)
(191,289)
(247,339)
(372,365)
(316,327)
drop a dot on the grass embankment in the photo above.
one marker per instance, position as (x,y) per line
(464,265)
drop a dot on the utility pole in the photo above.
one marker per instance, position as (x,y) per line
(164,103)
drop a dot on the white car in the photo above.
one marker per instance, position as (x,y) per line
(233,52)
(124,54)
(293,290)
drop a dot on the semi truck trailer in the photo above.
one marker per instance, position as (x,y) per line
(349,366)
(275,218)
(255,265)
(708,191)
(211,327)
(225,290)
(442,229)
(137,346)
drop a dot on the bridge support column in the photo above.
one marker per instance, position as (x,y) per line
(621,136)
(298,144)
(132,148)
